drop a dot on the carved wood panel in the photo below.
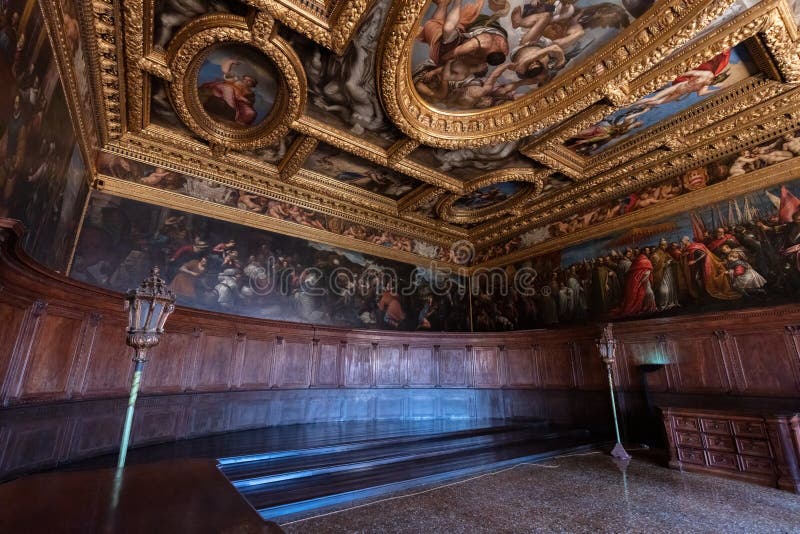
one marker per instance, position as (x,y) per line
(47,368)
(389,366)
(358,365)
(699,365)
(764,365)
(521,366)
(453,367)
(326,365)
(213,371)
(256,364)
(421,367)
(293,364)
(555,360)
(487,370)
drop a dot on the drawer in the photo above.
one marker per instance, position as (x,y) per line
(750,464)
(722,460)
(715,426)
(751,429)
(718,442)
(691,456)
(692,439)
(685,423)
(753,447)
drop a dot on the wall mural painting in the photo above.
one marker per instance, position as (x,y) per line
(475,54)
(488,196)
(732,254)
(334,163)
(691,87)
(202,189)
(341,89)
(220,266)
(171,15)
(237,86)
(42,176)
(753,159)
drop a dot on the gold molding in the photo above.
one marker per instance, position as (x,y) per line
(181,202)
(732,187)
(649,39)
(188,49)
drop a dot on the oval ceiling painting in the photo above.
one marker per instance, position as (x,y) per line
(477,54)
(236,86)
(488,196)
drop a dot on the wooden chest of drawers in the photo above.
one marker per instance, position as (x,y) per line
(764,449)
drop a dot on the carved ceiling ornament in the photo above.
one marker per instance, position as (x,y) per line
(642,58)
(189,52)
(528,184)
(638,48)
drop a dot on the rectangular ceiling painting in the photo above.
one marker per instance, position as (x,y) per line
(686,90)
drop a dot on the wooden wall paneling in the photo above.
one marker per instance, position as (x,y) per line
(170,364)
(293,362)
(792,338)
(237,363)
(521,366)
(389,369)
(37,443)
(325,370)
(421,366)
(642,352)
(158,419)
(590,371)
(699,365)
(488,366)
(452,367)
(106,368)
(11,321)
(359,370)
(256,368)
(214,368)
(762,364)
(20,353)
(556,360)
(48,367)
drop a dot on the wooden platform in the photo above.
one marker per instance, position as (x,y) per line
(173,496)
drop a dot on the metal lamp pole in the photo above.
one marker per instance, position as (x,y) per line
(148,307)
(607,346)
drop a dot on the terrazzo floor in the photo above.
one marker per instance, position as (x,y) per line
(584,493)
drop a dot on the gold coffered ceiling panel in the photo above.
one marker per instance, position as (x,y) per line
(404,127)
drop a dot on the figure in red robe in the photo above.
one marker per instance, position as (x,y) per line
(638,296)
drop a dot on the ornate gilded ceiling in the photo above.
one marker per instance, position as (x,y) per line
(408,128)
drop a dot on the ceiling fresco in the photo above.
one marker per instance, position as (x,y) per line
(402,128)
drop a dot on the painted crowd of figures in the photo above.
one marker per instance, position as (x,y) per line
(749,160)
(745,252)
(483,53)
(221,266)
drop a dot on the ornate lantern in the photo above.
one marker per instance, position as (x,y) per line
(148,307)
(607,346)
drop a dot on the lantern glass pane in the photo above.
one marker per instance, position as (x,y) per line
(144,312)
(158,308)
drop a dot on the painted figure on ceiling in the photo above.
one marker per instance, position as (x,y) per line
(236,91)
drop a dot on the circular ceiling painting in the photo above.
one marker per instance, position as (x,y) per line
(489,196)
(237,86)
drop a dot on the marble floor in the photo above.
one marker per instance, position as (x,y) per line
(582,493)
